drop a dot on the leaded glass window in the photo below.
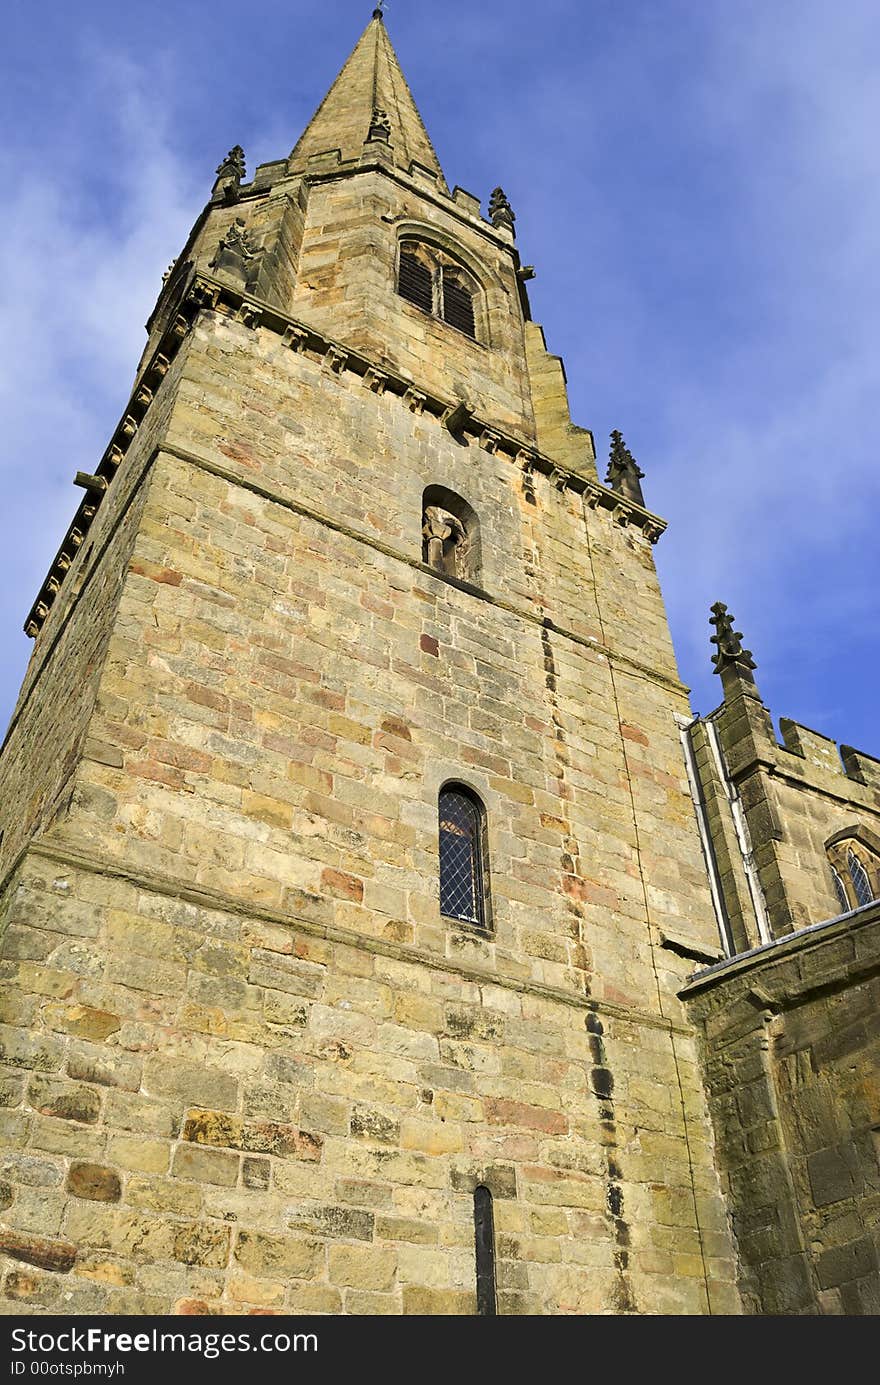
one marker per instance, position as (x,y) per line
(859,876)
(841,891)
(461,856)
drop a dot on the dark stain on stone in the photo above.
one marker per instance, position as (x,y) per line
(601,1084)
(602,1080)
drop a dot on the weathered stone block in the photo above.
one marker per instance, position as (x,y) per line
(59,1256)
(94,1182)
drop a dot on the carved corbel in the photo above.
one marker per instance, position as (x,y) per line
(89,510)
(63,561)
(593,498)
(525,461)
(179,327)
(41,610)
(249,316)
(88,482)
(490,441)
(53,586)
(128,427)
(114,454)
(414,399)
(32,629)
(651,531)
(143,397)
(159,367)
(457,416)
(620,515)
(376,380)
(559,478)
(203,295)
(335,359)
(76,537)
(294,337)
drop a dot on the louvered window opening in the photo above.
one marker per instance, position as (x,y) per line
(438,292)
(414,283)
(461,892)
(859,876)
(458,306)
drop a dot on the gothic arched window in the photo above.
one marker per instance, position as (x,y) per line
(463,875)
(434,282)
(840,890)
(859,877)
(854,857)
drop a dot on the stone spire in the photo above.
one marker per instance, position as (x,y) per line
(624,474)
(369,100)
(732,661)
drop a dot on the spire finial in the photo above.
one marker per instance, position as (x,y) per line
(500,211)
(732,661)
(229,175)
(379,11)
(624,473)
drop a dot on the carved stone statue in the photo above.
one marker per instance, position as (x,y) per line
(443,534)
(380,125)
(235,249)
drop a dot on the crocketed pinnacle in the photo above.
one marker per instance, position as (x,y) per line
(728,642)
(371,81)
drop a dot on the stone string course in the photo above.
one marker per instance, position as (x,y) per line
(205,294)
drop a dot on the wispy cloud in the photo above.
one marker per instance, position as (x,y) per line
(697,185)
(82,258)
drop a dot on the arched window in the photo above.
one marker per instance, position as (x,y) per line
(463,875)
(840,890)
(859,877)
(415,281)
(450,534)
(458,301)
(432,280)
(854,857)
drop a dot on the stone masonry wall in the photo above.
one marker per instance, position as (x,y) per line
(214,1109)
(45,737)
(790,1045)
(231,942)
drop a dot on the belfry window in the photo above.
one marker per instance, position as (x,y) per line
(432,280)
(463,893)
(415,282)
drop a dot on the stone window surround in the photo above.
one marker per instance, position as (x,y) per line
(438,252)
(865,846)
(484,928)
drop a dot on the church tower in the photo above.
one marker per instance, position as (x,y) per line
(349,870)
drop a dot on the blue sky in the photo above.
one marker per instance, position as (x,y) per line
(696,181)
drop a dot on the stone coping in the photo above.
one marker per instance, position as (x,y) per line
(781,949)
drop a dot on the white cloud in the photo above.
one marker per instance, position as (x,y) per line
(82,256)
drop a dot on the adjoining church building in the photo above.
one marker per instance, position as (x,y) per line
(382,934)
